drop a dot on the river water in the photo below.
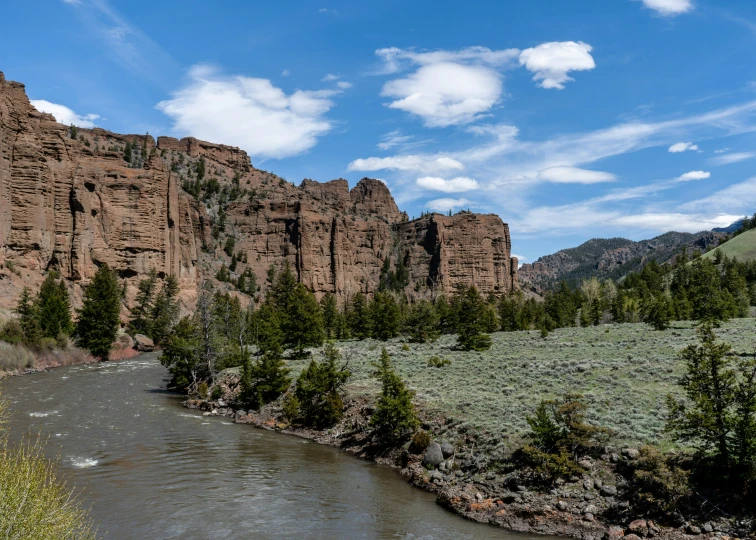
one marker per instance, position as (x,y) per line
(151,469)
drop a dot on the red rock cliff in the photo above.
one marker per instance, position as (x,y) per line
(72,204)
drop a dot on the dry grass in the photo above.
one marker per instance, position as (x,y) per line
(15,357)
(70,356)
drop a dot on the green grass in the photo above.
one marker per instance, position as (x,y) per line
(742,247)
(624,371)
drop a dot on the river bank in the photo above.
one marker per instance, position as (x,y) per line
(477,474)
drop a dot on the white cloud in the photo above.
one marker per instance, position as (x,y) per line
(64,115)
(396,59)
(444,205)
(72,2)
(249,112)
(416,163)
(455,185)
(551,62)
(663,222)
(727,159)
(735,199)
(722,151)
(344,85)
(330,77)
(693,175)
(446,93)
(393,139)
(682,147)
(574,175)
(669,7)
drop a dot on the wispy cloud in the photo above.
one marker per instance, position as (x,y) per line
(727,159)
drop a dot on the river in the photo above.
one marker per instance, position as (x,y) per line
(151,469)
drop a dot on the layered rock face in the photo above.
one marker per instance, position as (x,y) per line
(74,203)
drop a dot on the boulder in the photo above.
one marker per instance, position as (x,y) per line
(693,530)
(614,533)
(630,453)
(433,455)
(608,490)
(639,527)
(562,506)
(588,483)
(447,449)
(143,343)
(631,537)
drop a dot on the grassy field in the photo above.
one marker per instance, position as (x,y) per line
(742,246)
(624,371)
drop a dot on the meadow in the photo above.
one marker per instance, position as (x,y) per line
(624,371)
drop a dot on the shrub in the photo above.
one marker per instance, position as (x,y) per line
(290,407)
(202,389)
(12,332)
(660,483)
(217,393)
(420,442)
(15,357)
(436,361)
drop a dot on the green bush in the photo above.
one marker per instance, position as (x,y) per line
(202,389)
(659,482)
(436,361)
(290,407)
(420,442)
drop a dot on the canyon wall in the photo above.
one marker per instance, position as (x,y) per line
(71,201)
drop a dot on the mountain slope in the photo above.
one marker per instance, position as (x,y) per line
(609,258)
(742,247)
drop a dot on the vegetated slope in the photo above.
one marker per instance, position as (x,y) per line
(742,247)
(624,371)
(73,199)
(731,228)
(609,258)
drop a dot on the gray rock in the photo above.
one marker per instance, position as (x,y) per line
(143,343)
(707,528)
(614,533)
(692,529)
(433,455)
(609,490)
(562,506)
(478,496)
(588,517)
(588,483)
(586,463)
(591,509)
(630,453)
(631,537)
(447,449)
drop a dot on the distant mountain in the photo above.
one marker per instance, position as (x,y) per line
(742,247)
(609,258)
(733,227)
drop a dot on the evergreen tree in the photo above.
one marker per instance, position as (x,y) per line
(446,315)
(509,310)
(98,318)
(329,309)
(422,323)
(302,323)
(471,322)
(181,356)
(54,308)
(385,316)
(141,315)
(128,154)
(165,310)
(319,389)
(660,312)
(28,318)
(264,380)
(394,414)
(228,248)
(266,328)
(360,321)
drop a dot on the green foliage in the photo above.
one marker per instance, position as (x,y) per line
(73,132)
(394,414)
(247,282)
(359,318)
(718,416)
(471,321)
(290,407)
(659,483)
(98,319)
(266,328)
(420,442)
(660,312)
(302,322)
(319,389)
(422,322)
(165,310)
(265,379)
(229,246)
(181,356)
(223,275)
(28,318)
(393,280)
(437,361)
(141,314)
(385,315)
(54,307)
(330,312)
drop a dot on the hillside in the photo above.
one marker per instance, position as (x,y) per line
(742,247)
(71,200)
(609,258)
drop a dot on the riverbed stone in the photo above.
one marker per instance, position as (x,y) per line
(562,506)
(143,343)
(639,527)
(609,490)
(614,533)
(433,455)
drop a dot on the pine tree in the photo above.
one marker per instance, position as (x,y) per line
(266,328)
(660,312)
(470,321)
(385,316)
(181,356)
(54,308)
(141,315)
(330,311)
(422,323)
(98,318)
(394,414)
(128,154)
(165,310)
(360,321)
(319,389)
(264,380)
(302,323)
(28,318)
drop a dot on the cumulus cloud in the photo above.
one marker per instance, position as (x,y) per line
(444,205)
(574,175)
(455,185)
(682,147)
(249,112)
(727,159)
(669,7)
(551,62)
(64,115)
(416,163)
(693,175)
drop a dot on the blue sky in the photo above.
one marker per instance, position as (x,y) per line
(570,120)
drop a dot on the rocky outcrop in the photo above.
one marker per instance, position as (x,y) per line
(75,200)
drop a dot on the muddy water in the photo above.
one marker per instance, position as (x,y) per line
(152,469)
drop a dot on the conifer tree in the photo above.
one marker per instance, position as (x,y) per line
(330,311)
(422,323)
(265,379)
(360,322)
(181,356)
(28,318)
(385,316)
(302,323)
(54,308)
(470,321)
(98,318)
(165,310)
(266,328)
(660,312)
(141,315)
(319,389)
(394,414)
